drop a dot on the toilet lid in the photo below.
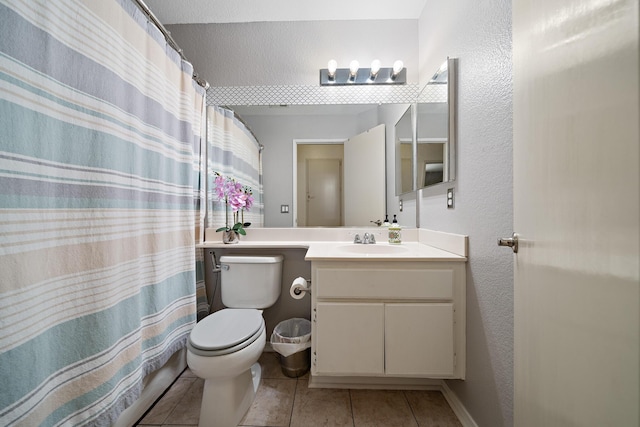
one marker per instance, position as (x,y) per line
(226,328)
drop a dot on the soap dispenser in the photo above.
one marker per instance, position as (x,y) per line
(395,232)
(386,221)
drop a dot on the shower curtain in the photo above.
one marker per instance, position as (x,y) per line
(100,133)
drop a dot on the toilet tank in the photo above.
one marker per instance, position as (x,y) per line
(250,281)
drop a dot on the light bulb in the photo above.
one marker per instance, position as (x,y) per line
(332,66)
(353,69)
(375,67)
(397,67)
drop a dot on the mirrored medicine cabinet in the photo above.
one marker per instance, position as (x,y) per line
(425,135)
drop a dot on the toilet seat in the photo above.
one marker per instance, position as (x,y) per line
(226,331)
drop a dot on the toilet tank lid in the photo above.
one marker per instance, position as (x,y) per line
(251,259)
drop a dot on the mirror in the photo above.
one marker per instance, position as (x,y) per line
(288,132)
(426,157)
(431,149)
(435,128)
(404,153)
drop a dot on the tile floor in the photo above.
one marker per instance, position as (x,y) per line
(288,402)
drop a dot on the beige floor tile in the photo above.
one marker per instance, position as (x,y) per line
(187,411)
(283,401)
(161,410)
(381,408)
(316,407)
(272,404)
(188,373)
(431,409)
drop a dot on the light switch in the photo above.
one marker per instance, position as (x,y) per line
(284,208)
(450,198)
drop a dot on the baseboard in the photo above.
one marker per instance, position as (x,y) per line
(458,408)
(374,383)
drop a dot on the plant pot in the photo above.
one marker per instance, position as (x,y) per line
(230,237)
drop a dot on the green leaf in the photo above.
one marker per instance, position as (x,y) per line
(222,229)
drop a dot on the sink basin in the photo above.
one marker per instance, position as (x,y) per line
(376,249)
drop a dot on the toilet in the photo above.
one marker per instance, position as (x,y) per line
(224,347)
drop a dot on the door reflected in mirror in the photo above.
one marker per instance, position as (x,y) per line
(319,198)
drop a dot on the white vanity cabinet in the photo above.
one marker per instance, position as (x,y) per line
(388,319)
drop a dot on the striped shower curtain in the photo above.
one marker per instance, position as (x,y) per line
(100,133)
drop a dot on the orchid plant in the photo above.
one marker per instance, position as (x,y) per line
(239,197)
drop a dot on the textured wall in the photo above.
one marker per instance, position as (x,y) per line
(479,34)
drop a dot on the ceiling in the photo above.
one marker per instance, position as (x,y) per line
(235,11)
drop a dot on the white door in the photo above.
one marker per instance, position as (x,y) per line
(364,183)
(324,192)
(576,209)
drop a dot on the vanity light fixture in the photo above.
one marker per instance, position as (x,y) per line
(354,75)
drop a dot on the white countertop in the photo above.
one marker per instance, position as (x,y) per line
(330,244)
(409,251)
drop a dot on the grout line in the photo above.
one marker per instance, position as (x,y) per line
(293,402)
(353,418)
(406,399)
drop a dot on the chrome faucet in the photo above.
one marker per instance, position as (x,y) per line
(369,239)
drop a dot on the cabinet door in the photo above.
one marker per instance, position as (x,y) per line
(419,339)
(349,338)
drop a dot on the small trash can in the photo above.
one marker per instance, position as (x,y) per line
(292,340)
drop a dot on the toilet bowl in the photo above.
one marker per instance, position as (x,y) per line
(223,348)
(227,362)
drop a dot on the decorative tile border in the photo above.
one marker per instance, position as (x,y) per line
(433,93)
(312,95)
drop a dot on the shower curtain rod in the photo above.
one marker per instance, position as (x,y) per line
(167,36)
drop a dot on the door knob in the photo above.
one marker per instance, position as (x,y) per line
(511,242)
